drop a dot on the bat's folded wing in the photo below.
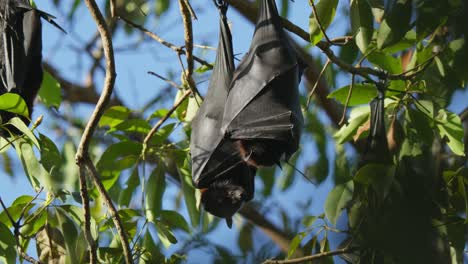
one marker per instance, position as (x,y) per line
(263,101)
(212,155)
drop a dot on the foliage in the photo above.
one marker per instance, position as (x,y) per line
(413,210)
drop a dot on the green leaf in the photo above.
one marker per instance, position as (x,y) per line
(430,15)
(182,109)
(70,232)
(449,126)
(163,133)
(377,7)
(115,159)
(7,245)
(130,186)
(165,234)
(192,108)
(326,10)
(395,24)
(362,94)
(155,188)
(161,6)
(174,220)
(245,240)
(34,224)
(440,66)
(362,23)
(318,171)
(33,169)
(204,68)
(50,155)
(295,243)
(21,126)
(189,193)
(462,191)
(13,103)
(337,200)
(385,62)
(50,92)
(309,220)
(359,115)
(379,176)
(267,175)
(114,116)
(130,126)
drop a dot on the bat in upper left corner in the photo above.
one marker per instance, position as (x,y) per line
(21,51)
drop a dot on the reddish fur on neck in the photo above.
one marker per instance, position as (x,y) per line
(245,153)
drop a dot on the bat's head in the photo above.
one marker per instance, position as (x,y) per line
(262,152)
(223,199)
(226,195)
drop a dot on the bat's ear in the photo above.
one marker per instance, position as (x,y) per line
(229,222)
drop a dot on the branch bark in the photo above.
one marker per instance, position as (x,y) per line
(82,155)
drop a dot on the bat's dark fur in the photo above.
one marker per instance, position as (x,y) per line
(261,152)
(225,196)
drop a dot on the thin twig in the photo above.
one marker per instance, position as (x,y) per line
(13,222)
(185,11)
(112,8)
(16,232)
(311,257)
(173,84)
(177,49)
(190,9)
(309,98)
(112,210)
(87,216)
(28,258)
(23,211)
(350,93)
(82,155)
(314,10)
(161,122)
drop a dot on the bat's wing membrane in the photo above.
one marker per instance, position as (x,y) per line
(212,155)
(264,92)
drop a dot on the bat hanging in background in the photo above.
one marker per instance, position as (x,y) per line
(377,150)
(226,182)
(21,51)
(262,115)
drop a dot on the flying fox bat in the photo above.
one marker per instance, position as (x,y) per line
(377,150)
(217,169)
(262,115)
(21,51)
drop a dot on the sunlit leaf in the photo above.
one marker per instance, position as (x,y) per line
(326,12)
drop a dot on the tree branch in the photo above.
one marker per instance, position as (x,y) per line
(82,155)
(311,257)
(87,216)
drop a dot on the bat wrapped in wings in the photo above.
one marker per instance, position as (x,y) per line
(262,114)
(225,180)
(21,51)
(377,150)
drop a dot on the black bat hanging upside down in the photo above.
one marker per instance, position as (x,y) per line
(250,120)
(226,182)
(21,51)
